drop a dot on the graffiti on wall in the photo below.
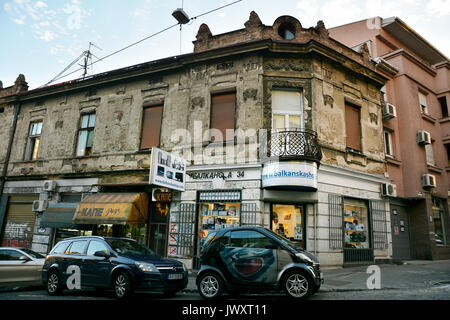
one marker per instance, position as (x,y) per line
(17,234)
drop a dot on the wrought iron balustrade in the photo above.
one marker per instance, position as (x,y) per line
(291,145)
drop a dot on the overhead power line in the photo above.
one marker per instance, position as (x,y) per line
(60,75)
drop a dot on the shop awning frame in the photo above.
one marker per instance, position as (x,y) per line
(59,215)
(112,208)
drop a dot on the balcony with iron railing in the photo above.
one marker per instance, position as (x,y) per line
(291,144)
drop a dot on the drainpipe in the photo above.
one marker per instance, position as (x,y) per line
(7,158)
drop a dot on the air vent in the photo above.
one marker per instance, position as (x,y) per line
(388,190)
(389,111)
(423,137)
(428,181)
(39,205)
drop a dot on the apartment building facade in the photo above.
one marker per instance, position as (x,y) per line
(416,133)
(280,125)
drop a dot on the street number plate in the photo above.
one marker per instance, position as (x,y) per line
(175,276)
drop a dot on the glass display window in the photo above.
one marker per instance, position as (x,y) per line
(356,224)
(288,221)
(216,216)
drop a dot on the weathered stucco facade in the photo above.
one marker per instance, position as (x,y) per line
(251,62)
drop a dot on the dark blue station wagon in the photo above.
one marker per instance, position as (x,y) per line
(120,264)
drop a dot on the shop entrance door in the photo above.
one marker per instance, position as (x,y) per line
(288,220)
(158,231)
(401,248)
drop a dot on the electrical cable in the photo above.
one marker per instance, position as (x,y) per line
(59,76)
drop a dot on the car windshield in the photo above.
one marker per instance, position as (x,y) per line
(33,254)
(285,241)
(123,246)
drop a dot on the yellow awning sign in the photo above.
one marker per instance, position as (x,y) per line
(112,208)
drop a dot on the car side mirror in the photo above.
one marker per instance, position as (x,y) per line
(102,254)
(24,259)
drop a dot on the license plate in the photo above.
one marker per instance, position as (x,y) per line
(175,276)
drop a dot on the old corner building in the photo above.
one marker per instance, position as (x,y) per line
(76,156)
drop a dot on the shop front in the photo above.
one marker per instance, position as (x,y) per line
(289,221)
(114,215)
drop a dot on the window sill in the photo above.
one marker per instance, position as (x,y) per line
(393,161)
(434,168)
(444,120)
(428,118)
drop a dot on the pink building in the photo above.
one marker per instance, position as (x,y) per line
(416,125)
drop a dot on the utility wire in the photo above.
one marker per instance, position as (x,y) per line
(60,76)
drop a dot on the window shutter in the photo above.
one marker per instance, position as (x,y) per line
(151,127)
(353,127)
(222,113)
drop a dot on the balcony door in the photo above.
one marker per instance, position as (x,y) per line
(287,110)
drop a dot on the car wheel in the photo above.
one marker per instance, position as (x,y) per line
(297,285)
(210,286)
(122,286)
(54,286)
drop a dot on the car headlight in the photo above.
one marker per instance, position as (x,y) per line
(305,258)
(146,267)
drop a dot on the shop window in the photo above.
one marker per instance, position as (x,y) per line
(288,221)
(444,108)
(356,224)
(353,127)
(223,107)
(33,141)
(151,126)
(218,210)
(439,222)
(423,103)
(86,135)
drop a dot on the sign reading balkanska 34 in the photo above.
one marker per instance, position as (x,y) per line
(292,174)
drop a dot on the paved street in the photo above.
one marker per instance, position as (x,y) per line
(414,280)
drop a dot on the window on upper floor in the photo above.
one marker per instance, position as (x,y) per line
(429,154)
(86,134)
(33,141)
(423,103)
(353,127)
(383,95)
(151,126)
(444,108)
(287,110)
(223,110)
(388,147)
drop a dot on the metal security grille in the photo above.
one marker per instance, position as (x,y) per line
(182,231)
(249,214)
(335,208)
(220,195)
(378,209)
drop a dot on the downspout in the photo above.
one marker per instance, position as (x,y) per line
(7,158)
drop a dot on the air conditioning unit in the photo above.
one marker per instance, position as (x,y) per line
(423,137)
(156,191)
(428,181)
(388,190)
(39,205)
(389,111)
(49,185)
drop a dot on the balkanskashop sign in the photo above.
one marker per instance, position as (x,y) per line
(290,174)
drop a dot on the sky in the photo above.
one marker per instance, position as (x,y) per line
(40,38)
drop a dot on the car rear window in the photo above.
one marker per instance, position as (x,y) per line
(60,247)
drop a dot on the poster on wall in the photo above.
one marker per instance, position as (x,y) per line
(167,170)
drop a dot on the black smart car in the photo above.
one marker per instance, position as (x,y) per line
(252,259)
(118,263)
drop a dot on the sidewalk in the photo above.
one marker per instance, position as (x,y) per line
(409,274)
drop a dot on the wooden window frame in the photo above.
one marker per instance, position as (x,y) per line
(150,106)
(219,93)
(87,129)
(31,149)
(350,147)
